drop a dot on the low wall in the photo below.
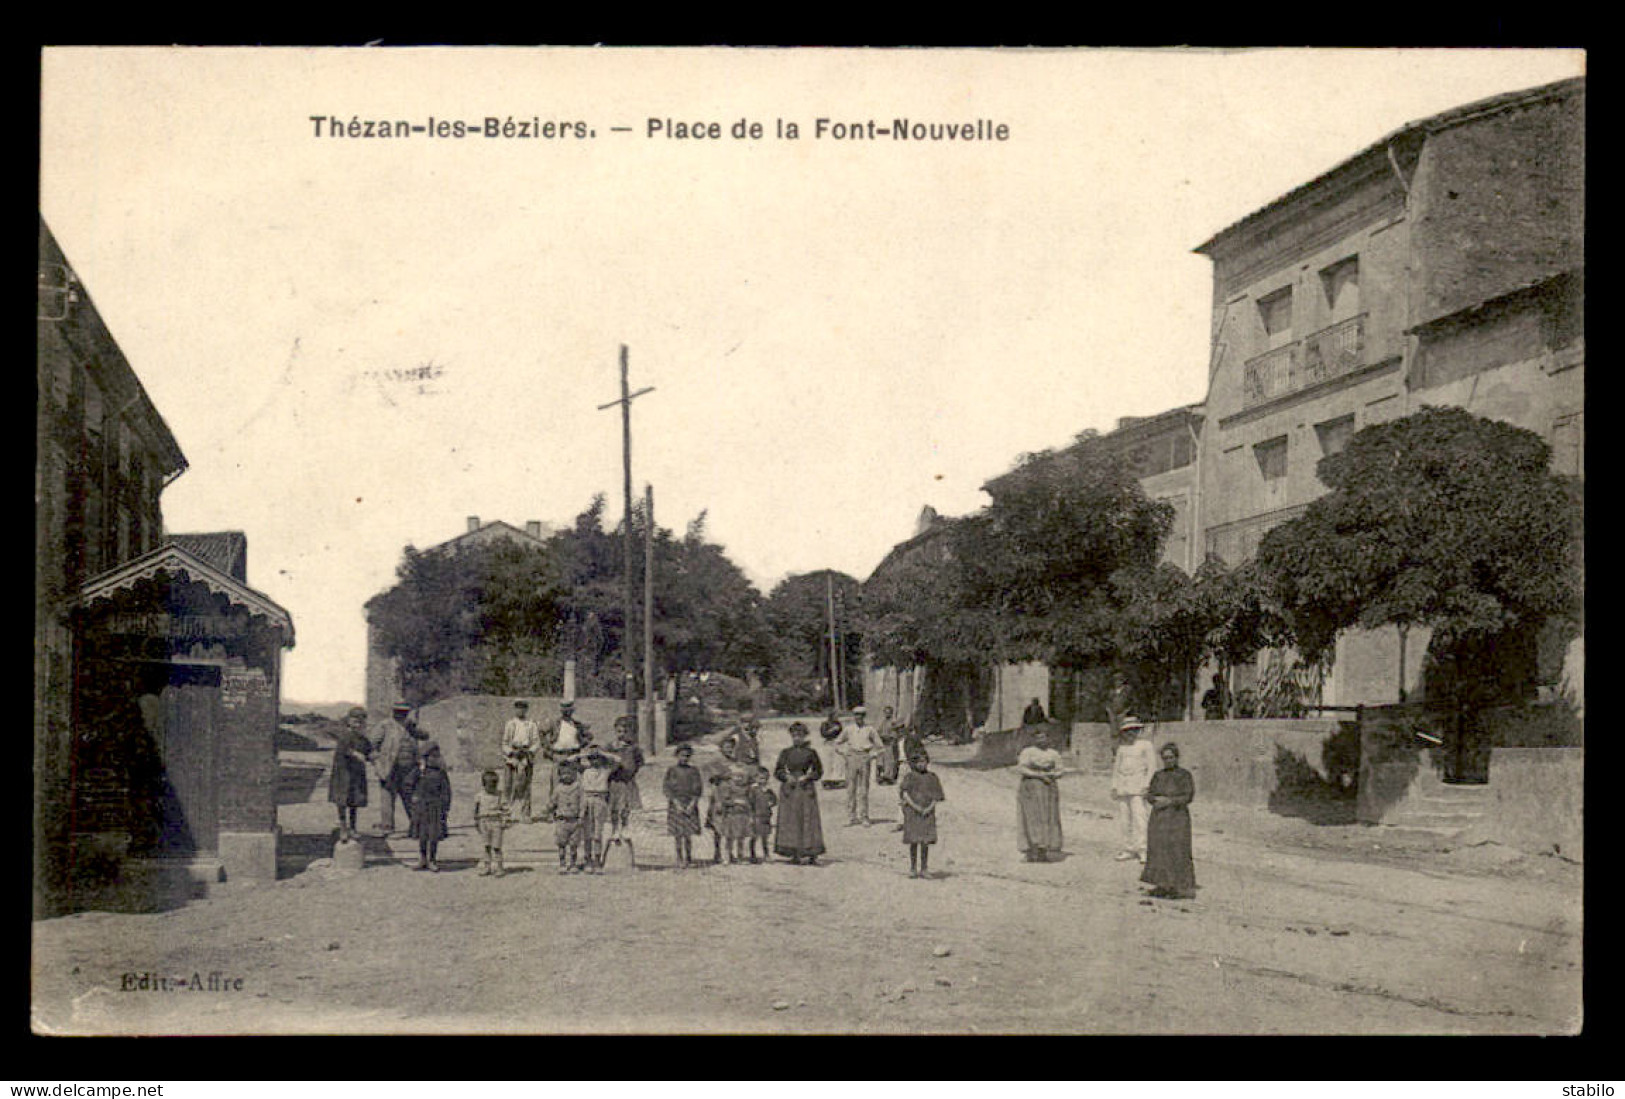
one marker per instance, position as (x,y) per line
(1249,761)
(1536,801)
(1000,748)
(469,727)
(1245,761)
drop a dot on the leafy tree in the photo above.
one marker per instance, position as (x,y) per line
(502,617)
(469,620)
(797,614)
(1042,574)
(1441,519)
(1038,564)
(1163,629)
(708,615)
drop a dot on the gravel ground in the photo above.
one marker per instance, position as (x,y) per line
(1297,929)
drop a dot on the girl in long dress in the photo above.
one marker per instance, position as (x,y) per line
(1168,865)
(801,831)
(347,784)
(1038,800)
(430,804)
(683,786)
(921,793)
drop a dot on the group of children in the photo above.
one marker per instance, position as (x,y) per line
(580,806)
(739,813)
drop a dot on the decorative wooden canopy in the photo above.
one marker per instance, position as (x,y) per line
(178,564)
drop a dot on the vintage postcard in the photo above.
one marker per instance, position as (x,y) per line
(809,541)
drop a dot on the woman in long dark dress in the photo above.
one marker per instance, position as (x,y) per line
(801,831)
(347,784)
(1168,866)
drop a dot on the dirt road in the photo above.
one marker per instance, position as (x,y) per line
(1296,930)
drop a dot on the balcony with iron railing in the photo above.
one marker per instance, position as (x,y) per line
(1330,353)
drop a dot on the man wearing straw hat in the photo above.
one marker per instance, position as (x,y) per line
(1132,768)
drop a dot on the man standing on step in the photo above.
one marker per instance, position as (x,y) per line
(521,740)
(396,757)
(561,744)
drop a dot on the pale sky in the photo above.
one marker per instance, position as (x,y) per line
(838,332)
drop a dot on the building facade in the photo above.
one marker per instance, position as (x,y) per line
(1442,265)
(138,760)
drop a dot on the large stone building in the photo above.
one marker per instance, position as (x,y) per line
(383,672)
(156,668)
(1442,265)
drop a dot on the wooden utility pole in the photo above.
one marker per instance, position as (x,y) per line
(626,453)
(649,618)
(834,652)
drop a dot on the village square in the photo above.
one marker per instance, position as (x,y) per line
(1261,713)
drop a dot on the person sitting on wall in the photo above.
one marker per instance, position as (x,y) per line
(1214,699)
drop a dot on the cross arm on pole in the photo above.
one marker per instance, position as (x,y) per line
(627,398)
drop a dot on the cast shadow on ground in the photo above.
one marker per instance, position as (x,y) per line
(287,740)
(1302,791)
(296,782)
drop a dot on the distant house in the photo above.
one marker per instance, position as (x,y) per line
(1443,264)
(383,671)
(156,666)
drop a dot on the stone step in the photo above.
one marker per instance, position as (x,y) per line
(1433,821)
(1464,792)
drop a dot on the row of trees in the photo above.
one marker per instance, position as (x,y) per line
(1441,519)
(502,617)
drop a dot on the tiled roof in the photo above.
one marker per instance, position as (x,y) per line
(226,550)
(1455,116)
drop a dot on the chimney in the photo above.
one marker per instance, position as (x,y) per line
(533,527)
(473,523)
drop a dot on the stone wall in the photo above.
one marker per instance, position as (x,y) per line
(468,728)
(1255,761)
(1536,801)
(1247,762)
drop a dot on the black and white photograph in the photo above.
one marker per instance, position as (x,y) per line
(809,541)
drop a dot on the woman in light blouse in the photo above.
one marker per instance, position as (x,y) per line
(1038,800)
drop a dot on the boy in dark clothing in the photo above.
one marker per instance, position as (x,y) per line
(431,801)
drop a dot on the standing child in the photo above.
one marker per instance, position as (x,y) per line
(716,779)
(623,778)
(430,804)
(734,818)
(594,806)
(683,786)
(490,819)
(564,806)
(920,791)
(762,801)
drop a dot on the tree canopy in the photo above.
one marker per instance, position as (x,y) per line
(1442,519)
(503,616)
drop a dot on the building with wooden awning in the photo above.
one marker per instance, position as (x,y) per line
(157,669)
(175,768)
